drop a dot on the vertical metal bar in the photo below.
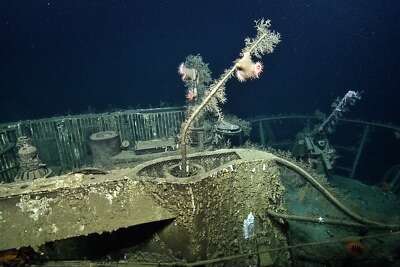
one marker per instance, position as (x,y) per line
(139,125)
(164,124)
(170,125)
(261,132)
(157,125)
(132,133)
(122,122)
(60,139)
(178,120)
(3,169)
(359,150)
(155,130)
(146,126)
(134,126)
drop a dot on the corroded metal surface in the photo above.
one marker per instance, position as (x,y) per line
(209,208)
(73,205)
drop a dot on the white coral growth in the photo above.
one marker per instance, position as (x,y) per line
(265,40)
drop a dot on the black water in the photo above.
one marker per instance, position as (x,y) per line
(72,56)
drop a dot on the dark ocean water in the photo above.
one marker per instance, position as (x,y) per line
(65,57)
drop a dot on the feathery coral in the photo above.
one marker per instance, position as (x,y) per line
(264,43)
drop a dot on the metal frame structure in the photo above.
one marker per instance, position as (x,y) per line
(267,137)
(63,141)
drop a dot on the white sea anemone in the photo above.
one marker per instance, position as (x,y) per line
(247,69)
(187,74)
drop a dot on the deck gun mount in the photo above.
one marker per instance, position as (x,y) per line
(320,152)
(314,145)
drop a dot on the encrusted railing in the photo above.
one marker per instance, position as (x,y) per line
(265,132)
(8,160)
(63,141)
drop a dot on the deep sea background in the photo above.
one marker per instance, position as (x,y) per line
(61,57)
(68,56)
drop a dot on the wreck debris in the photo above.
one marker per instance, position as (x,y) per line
(30,165)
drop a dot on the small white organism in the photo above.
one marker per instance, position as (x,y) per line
(248,226)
